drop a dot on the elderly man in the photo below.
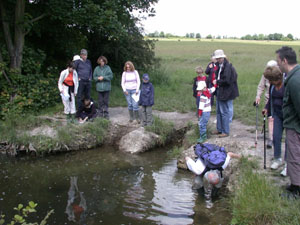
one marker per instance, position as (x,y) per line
(227,91)
(206,178)
(84,70)
(287,62)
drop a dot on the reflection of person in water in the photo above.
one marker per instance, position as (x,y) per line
(76,207)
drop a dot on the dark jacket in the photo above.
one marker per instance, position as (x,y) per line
(291,100)
(209,72)
(147,95)
(195,85)
(276,98)
(87,112)
(227,85)
(84,69)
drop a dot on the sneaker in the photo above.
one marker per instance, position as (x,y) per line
(269,143)
(276,163)
(283,172)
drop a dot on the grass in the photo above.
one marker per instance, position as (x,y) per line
(257,201)
(178,60)
(162,128)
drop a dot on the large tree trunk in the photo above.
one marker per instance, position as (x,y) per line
(15,50)
(19,33)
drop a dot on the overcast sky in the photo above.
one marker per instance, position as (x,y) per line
(226,17)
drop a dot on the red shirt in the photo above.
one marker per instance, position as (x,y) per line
(69,79)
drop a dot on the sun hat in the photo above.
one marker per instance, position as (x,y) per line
(83,52)
(201,85)
(219,54)
(272,63)
(146,76)
(76,57)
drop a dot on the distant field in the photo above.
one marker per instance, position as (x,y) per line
(179,58)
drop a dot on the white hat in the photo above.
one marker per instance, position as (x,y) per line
(219,54)
(272,63)
(76,57)
(201,85)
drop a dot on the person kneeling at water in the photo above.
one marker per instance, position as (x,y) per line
(87,111)
(209,176)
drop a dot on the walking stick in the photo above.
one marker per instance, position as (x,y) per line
(256,106)
(265,142)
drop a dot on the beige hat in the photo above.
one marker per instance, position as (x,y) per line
(201,85)
(219,54)
(272,63)
(76,57)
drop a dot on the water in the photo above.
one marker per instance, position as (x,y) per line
(103,186)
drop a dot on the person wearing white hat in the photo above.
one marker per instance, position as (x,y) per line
(227,91)
(264,85)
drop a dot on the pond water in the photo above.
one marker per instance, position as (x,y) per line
(103,186)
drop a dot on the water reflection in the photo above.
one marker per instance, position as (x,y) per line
(105,187)
(76,206)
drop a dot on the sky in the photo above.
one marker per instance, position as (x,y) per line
(231,18)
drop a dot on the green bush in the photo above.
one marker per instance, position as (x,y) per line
(30,93)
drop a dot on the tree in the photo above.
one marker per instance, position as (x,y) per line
(162,34)
(290,36)
(21,24)
(198,35)
(187,35)
(192,35)
(209,36)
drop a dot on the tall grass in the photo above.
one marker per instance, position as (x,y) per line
(258,201)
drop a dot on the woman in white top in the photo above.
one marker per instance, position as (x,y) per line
(131,85)
(68,86)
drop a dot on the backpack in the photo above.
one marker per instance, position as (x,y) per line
(212,156)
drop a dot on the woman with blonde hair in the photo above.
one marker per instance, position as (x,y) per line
(131,85)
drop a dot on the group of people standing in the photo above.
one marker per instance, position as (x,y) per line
(221,82)
(76,80)
(282,80)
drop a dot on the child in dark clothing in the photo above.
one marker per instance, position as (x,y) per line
(87,111)
(146,100)
(200,77)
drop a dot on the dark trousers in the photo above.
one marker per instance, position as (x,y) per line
(277,135)
(103,100)
(84,91)
(293,156)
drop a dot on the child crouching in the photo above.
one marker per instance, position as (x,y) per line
(204,108)
(146,101)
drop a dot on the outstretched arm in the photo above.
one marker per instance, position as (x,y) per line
(234,155)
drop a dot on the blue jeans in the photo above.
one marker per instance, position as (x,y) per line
(277,135)
(230,110)
(203,120)
(223,116)
(132,105)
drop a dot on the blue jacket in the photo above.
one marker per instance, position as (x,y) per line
(84,69)
(147,95)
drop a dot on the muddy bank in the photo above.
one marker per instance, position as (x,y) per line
(55,135)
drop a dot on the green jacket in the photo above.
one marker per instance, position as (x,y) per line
(106,73)
(291,100)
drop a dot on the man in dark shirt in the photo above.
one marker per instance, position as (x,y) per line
(84,70)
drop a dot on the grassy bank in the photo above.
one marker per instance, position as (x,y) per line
(257,201)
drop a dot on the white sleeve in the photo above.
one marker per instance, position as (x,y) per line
(123,81)
(226,162)
(196,167)
(138,80)
(61,80)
